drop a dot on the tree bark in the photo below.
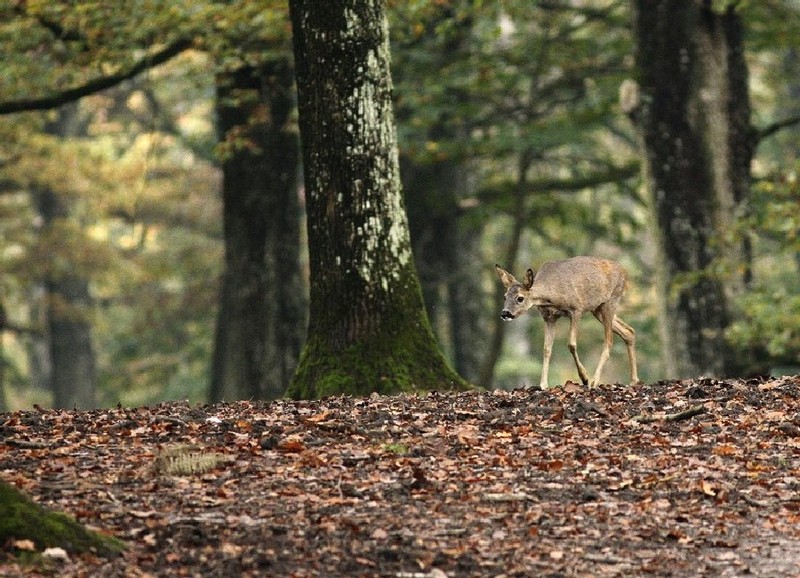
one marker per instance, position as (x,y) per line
(445,251)
(3,403)
(368,329)
(693,116)
(68,301)
(261,319)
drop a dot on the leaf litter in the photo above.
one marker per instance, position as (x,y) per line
(676,478)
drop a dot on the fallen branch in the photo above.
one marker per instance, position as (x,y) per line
(681,415)
(589,406)
(27,444)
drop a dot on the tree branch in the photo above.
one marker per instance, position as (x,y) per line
(97,84)
(681,415)
(611,174)
(771,129)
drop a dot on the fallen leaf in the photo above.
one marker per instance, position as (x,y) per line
(58,554)
(291,445)
(26,545)
(707,488)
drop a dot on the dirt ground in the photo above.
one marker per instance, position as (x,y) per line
(690,478)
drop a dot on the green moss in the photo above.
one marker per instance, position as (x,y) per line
(22,519)
(397,449)
(405,362)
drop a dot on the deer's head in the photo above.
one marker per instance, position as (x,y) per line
(518,298)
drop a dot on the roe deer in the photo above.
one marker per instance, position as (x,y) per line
(567,289)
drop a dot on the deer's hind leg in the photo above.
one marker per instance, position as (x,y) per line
(573,346)
(628,335)
(604,314)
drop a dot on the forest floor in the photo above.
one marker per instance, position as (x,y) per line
(689,478)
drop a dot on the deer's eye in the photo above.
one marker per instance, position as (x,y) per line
(520,299)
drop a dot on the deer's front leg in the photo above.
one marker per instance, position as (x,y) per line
(549,335)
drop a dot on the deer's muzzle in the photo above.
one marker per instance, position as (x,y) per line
(507,315)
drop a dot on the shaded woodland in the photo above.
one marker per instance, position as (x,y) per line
(153,234)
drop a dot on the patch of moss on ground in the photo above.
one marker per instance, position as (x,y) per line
(22,519)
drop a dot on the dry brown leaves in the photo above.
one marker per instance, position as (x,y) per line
(696,478)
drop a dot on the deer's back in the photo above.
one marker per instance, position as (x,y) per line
(580,283)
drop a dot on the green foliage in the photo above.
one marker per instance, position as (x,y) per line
(396,448)
(769,314)
(143,227)
(522,88)
(522,94)
(770,323)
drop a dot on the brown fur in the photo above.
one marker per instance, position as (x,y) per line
(566,289)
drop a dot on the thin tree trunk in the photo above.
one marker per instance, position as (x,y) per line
(3,403)
(69,331)
(261,319)
(520,219)
(445,250)
(68,301)
(469,318)
(368,329)
(71,350)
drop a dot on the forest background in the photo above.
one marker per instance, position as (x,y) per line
(119,207)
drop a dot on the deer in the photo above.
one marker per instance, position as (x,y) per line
(568,288)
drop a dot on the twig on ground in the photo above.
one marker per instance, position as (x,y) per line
(589,406)
(681,415)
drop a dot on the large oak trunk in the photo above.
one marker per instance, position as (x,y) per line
(368,330)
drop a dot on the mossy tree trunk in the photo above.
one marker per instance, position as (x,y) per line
(368,330)
(693,115)
(261,319)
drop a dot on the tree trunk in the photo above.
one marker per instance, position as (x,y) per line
(71,351)
(694,121)
(445,251)
(368,329)
(520,216)
(69,331)
(261,319)
(68,301)
(3,403)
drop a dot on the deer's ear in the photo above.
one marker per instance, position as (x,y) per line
(528,279)
(506,277)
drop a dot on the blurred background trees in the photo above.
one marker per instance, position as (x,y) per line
(157,224)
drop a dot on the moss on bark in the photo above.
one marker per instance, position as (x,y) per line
(22,519)
(368,330)
(400,362)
